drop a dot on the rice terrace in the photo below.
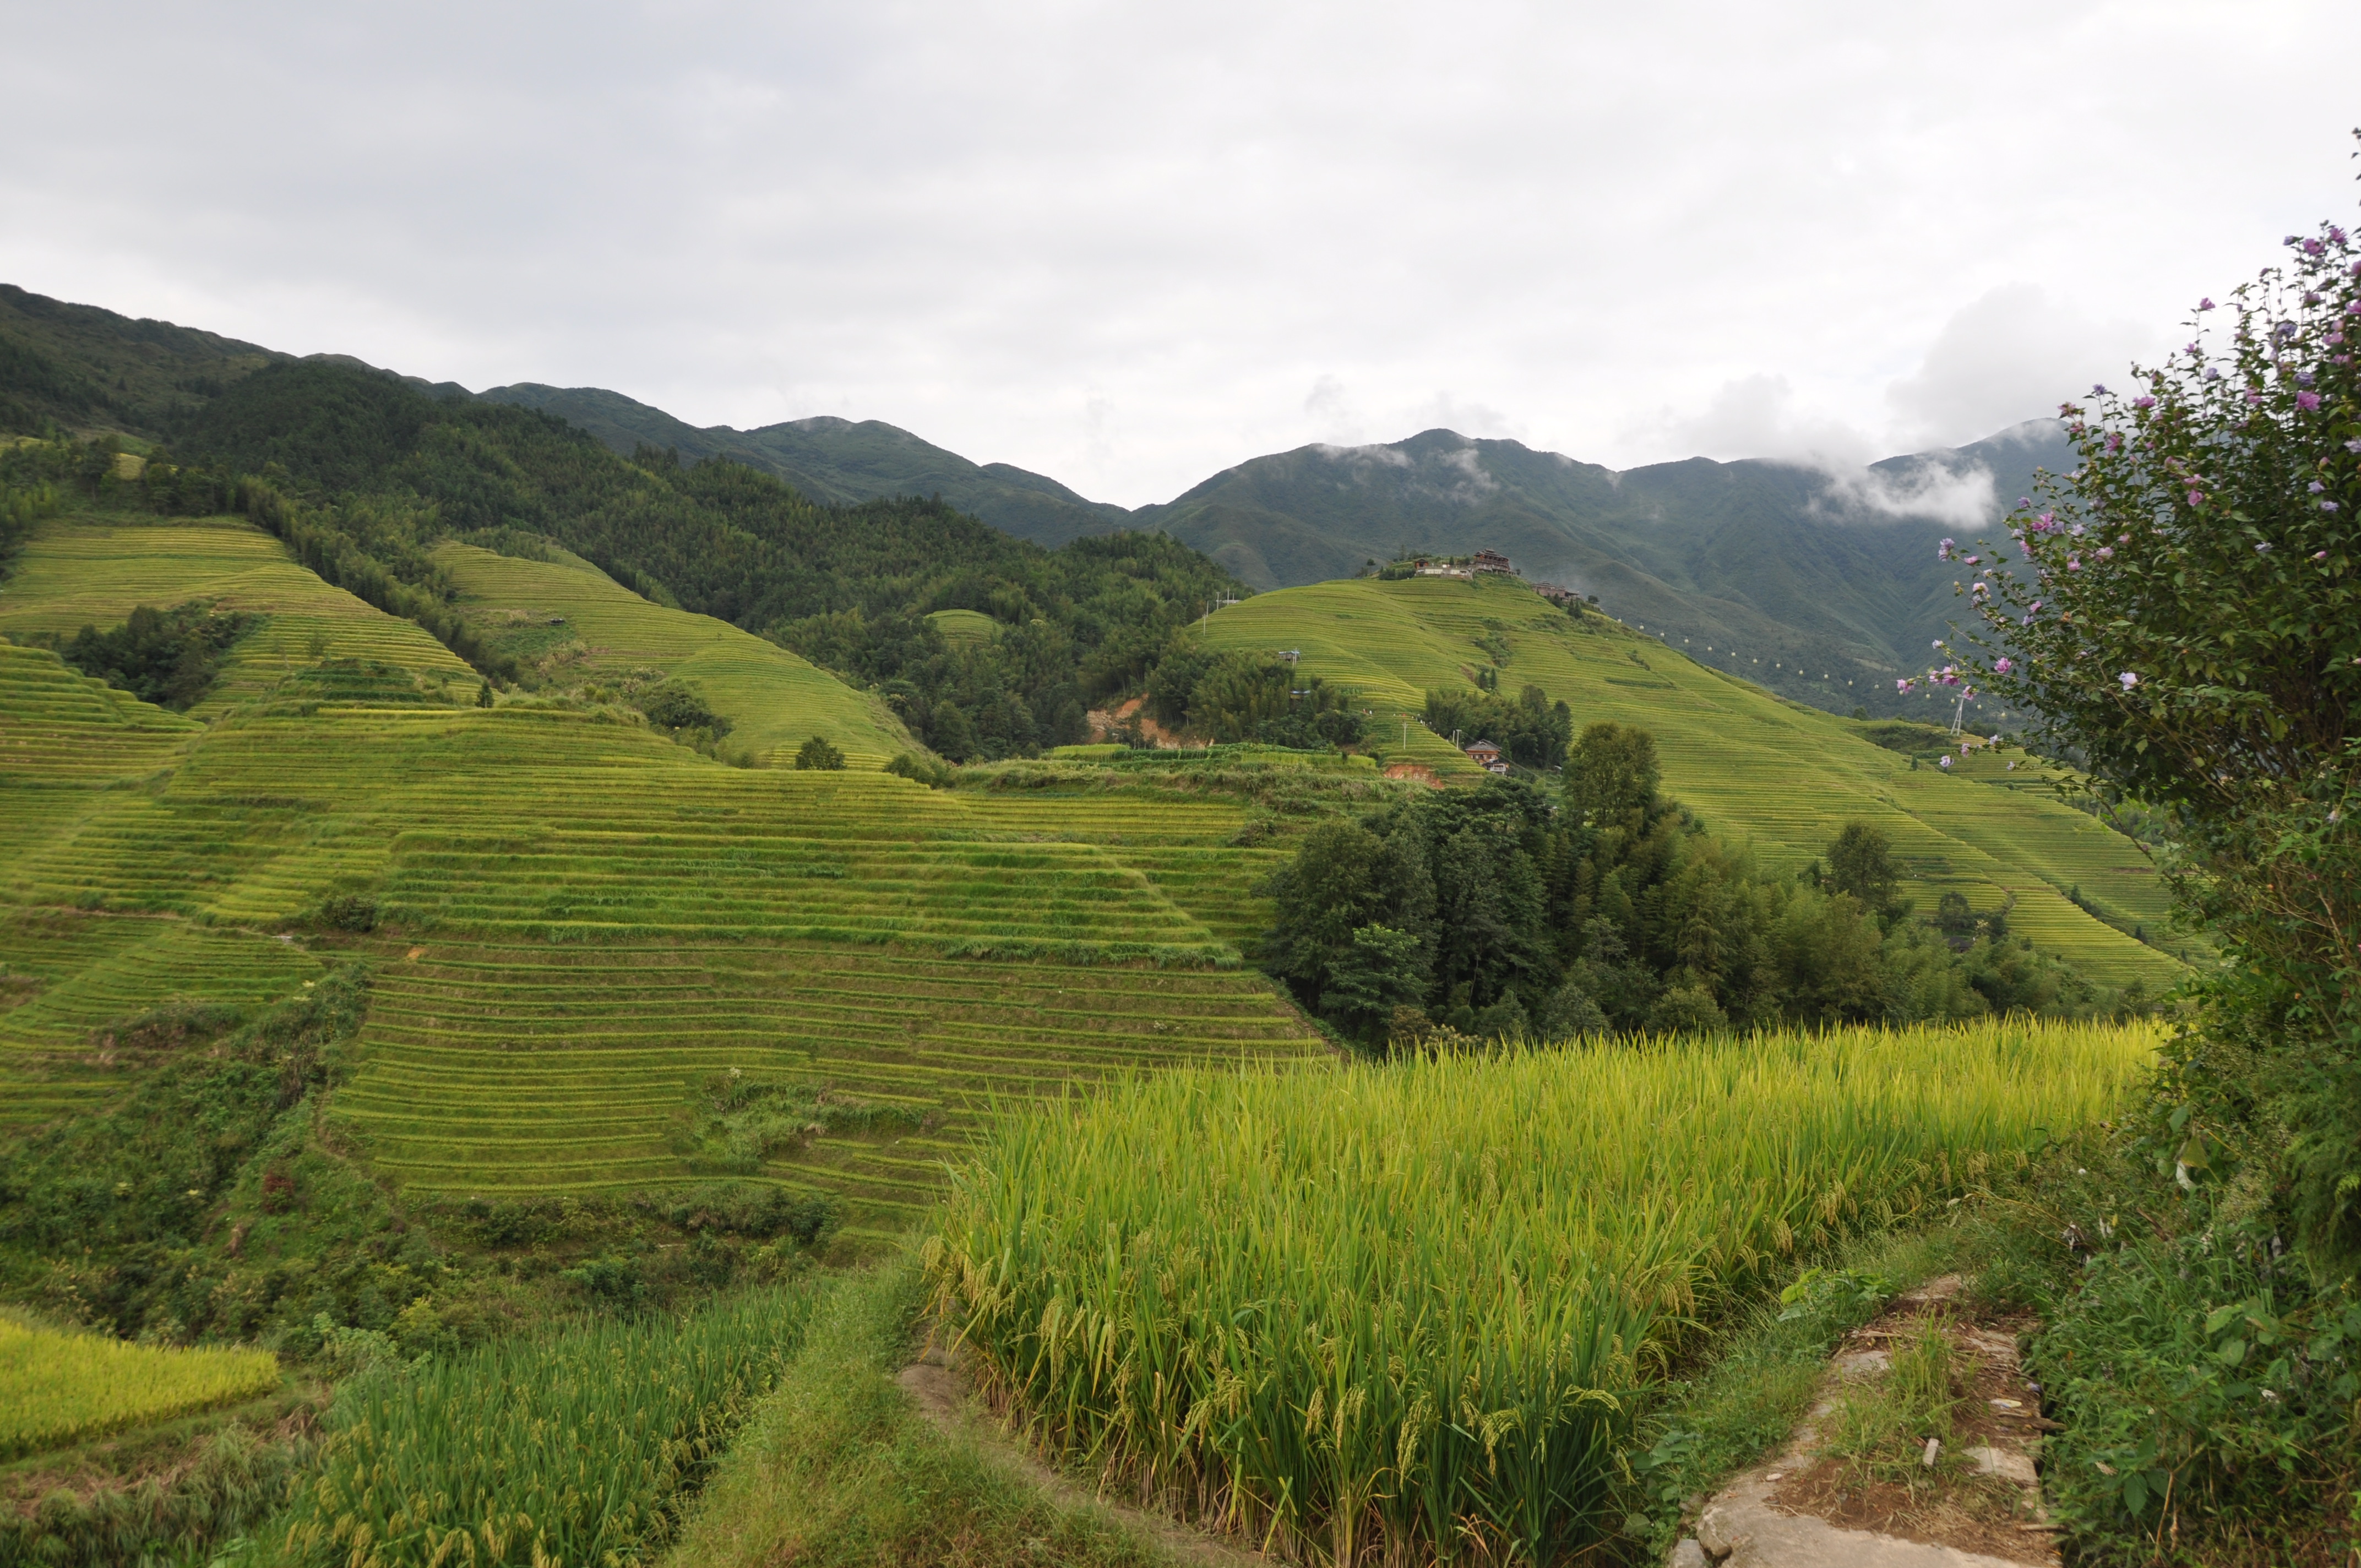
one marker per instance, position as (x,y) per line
(579,990)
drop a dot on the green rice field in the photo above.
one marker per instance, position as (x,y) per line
(580,921)
(573,1447)
(1404,1314)
(578,925)
(575,618)
(1780,775)
(62,1388)
(83,572)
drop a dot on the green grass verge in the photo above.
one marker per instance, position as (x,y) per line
(838,1469)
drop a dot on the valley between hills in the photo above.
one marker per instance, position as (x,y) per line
(554,968)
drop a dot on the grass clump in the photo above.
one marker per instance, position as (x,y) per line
(1881,1431)
(1436,1292)
(577,1446)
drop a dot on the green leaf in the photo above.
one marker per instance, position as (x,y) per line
(2134,1493)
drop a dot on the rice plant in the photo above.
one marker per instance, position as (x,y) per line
(575,1448)
(1411,1307)
(57,1388)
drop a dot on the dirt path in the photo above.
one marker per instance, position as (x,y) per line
(941,1394)
(1803,1509)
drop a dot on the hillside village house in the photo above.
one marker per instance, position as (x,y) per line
(1492,561)
(1486,756)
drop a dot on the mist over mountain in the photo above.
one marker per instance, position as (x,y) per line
(1820,582)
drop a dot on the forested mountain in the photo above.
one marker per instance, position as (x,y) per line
(1822,587)
(362,475)
(1784,573)
(834,459)
(82,368)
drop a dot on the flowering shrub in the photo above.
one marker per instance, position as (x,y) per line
(2186,619)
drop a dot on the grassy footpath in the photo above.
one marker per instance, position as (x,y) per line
(838,1470)
(1784,777)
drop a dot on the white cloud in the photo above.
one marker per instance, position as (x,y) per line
(2011,353)
(994,222)
(1757,416)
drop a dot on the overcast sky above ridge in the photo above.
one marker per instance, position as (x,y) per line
(1129,246)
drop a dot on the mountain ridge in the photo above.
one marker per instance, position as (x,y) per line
(1821,582)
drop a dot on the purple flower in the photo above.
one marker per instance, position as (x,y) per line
(2128,679)
(1945,761)
(1943,551)
(2303,377)
(2311,247)
(2311,299)
(2098,389)
(2196,498)
(2205,304)
(1975,560)
(2307,401)
(2074,563)
(2143,402)
(2003,666)
(1902,685)
(2254,394)
(2106,552)
(2320,554)
(2315,487)
(2354,446)
(2034,609)
(1939,643)
(2213,373)
(2335,235)
(2328,506)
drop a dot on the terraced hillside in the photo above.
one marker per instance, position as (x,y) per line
(1783,776)
(580,925)
(87,572)
(575,622)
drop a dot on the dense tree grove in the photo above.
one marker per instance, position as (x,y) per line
(1235,696)
(1532,731)
(1511,909)
(165,656)
(361,474)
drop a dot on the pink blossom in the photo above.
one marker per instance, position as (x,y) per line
(2307,401)
(2003,666)
(2074,563)
(2128,679)
(2197,498)
(1945,761)
(2106,552)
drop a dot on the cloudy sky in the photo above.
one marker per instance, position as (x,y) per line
(1130,244)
